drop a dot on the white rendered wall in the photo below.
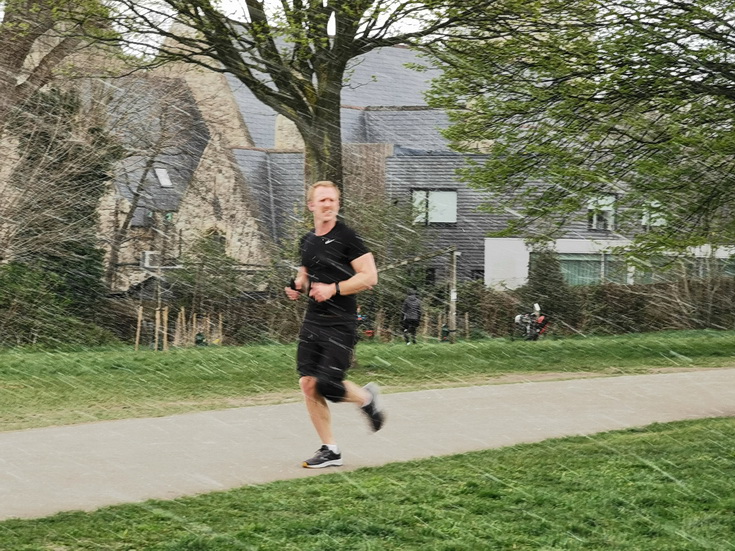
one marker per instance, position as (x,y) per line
(506,258)
(506,262)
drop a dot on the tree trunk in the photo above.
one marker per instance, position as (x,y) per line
(322,136)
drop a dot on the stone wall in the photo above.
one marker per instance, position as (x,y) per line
(8,196)
(215,199)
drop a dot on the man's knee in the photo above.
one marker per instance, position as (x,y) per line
(308,386)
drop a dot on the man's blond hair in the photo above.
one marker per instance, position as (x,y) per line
(321,183)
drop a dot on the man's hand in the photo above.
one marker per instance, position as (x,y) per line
(293,291)
(322,291)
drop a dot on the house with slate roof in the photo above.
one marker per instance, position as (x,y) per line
(209,160)
(182,182)
(219,132)
(391,134)
(386,121)
(238,174)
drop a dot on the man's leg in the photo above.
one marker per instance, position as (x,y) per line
(356,394)
(318,409)
(323,363)
(328,454)
(367,398)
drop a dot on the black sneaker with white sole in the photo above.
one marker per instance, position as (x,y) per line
(324,457)
(373,411)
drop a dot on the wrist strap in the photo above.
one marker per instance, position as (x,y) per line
(336,286)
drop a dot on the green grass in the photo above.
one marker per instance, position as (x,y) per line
(669,487)
(665,487)
(54,388)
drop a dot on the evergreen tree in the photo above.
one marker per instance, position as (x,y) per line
(64,170)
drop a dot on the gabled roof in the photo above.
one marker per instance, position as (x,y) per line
(411,128)
(381,78)
(382,102)
(276,181)
(160,125)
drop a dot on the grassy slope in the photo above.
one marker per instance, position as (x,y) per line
(44,388)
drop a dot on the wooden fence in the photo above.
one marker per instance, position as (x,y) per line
(194,330)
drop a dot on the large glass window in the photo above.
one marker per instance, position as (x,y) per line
(596,268)
(592,269)
(434,206)
(709,267)
(581,269)
(615,269)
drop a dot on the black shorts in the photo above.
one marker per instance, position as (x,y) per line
(325,352)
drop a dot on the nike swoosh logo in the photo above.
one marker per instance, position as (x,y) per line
(328,241)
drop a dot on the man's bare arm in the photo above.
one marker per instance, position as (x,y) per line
(366,277)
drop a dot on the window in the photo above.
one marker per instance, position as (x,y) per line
(616,270)
(150,259)
(581,269)
(434,206)
(664,269)
(592,269)
(653,216)
(601,213)
(163,179)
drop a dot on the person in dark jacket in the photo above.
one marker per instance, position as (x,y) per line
(411,316)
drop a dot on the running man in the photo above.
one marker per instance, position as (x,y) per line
(335,266)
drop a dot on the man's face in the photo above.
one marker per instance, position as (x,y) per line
(324,204)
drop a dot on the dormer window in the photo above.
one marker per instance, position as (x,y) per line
(653,216)
(601,213)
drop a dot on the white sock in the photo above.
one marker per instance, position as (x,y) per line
(333,447)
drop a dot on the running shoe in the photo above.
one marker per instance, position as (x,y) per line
(373,411)
(324,457)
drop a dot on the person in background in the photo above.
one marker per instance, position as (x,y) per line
(411,316)
(335,266)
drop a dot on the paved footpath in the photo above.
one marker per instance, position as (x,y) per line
(84,467)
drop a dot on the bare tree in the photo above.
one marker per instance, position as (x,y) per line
(36,36)
(295,57)
(59,171)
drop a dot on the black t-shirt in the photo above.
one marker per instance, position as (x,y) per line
(327,259)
